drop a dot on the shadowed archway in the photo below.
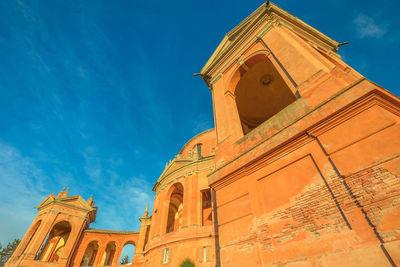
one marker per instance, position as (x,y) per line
(175,208)
(260,92)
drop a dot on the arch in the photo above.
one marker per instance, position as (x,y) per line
(29,236)
(260,91)
(175,207)
(90,254)
(241,70)
(128,251)
(130,242)
(55,242)
(108,255)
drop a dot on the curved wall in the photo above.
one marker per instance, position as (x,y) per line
(193,235)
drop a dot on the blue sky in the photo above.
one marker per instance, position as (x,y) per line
(99,95)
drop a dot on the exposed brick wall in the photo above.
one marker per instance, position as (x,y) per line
(377,191)
(313,210)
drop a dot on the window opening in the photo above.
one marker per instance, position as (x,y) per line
(166,255)
(198,149)
(206,207)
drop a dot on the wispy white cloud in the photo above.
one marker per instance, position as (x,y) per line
(22,188)
(367,27)
(84,98)
(123,202)
(23,185)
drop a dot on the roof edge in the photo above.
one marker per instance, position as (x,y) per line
(104,231)
(233,37)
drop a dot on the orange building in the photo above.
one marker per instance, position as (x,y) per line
(302,169)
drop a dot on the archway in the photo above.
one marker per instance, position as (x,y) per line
(90,254)
(260,92)
(109,254)
(127,253)
(55,242)
(175,208)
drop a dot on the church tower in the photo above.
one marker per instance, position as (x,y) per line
(302,168)
(307,156)
(55,232)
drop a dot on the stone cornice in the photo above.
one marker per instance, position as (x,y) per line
(178,159)
(62,202)
(144,219)
(182,236)
(165,175)
(232,41)
(103,231)
(277,17)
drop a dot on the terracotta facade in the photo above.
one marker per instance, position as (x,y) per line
(302,169)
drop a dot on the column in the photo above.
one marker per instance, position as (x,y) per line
(40,236)
(163,215)
(194,196)
(186,201)
(233,117)
(99,255)
(117,254)
(79,256)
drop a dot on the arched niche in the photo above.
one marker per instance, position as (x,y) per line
(127,251)
(90,254)
(260,91)
(108,255)
(55,242)
(29,236)
(175,207)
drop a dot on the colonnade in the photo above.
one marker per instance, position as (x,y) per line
(106,246)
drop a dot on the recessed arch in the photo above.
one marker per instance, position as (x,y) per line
(90,254)
(175,207)
(109,253)
(260,91)
(55,242)
(255,58)
(240,70)
(130,242)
